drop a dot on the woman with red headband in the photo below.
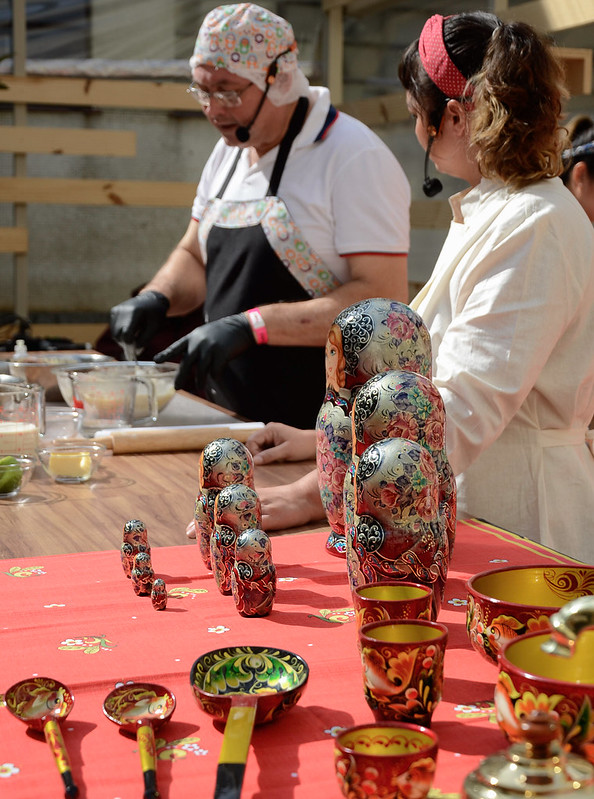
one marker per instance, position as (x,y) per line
(510,303)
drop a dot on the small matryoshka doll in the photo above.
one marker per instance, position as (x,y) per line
(399,531)
(237,508)
(159,594)
(142,574)
(399,404)
(135,540)
(369,337)
(223,462)
(253,576)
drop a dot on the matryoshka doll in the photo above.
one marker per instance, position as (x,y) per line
(134,540)
(399,404)
(399,531)
(253,576)
(237,508)
(223,462)
(369,337)
(142,574)
(159,594)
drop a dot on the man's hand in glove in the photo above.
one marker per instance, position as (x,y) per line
(209,348)
(135,321)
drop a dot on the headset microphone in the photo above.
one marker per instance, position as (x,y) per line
(242,133)
(431,186)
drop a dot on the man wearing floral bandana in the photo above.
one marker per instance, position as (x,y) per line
(300,212)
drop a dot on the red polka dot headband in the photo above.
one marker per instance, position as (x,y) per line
(436,60)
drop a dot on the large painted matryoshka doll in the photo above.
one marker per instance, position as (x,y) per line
(399,404)
(369,337)
(223,462)
(399,532)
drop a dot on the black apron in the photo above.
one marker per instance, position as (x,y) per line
(256,255)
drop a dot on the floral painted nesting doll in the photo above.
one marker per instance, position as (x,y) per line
(159,594)
(253,576)
(237,508)
(142,574)
(134,540)
(223,462)
(399,531)
(369,337)
(399,404)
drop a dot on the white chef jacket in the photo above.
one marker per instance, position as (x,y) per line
(510,309)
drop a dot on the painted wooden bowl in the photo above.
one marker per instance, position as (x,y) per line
(508,602)
(530,678)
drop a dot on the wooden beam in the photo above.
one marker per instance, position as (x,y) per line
(20,260)
(33,89)
(387,108)
(72,191)
(430,214)
(578,69)
(335,55)
(14,239)
(551,15)
(67,141)
(357,8)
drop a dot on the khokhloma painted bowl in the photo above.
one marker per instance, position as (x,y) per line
(532,679)
(508,602)
(276,677)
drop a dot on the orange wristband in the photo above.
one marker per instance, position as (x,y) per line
(257,324)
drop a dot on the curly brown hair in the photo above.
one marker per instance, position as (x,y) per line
(518,92)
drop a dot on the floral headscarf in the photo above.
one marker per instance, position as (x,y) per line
(245,39)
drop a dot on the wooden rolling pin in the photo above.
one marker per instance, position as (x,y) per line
(172,439)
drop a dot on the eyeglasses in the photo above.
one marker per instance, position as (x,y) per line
(228,99)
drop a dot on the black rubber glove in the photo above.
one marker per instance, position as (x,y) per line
(209,348)
(135,321)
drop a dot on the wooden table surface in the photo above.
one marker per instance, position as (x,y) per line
(50,518)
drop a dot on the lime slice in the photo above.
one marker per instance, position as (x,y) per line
(11,475)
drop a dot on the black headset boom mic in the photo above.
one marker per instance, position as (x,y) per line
(431,186)
(242,133)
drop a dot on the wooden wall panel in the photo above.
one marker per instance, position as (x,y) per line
(14,239)
(74,191)
(66,141)
(164,95)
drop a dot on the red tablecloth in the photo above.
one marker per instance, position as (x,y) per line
(76,618)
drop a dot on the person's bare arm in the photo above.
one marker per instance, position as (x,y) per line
(307,323)
(182,278)
(281,442)
(291,505)
(287,506)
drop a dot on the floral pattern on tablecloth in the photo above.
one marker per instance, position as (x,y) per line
(176,750)
(8,770)
(336,616)
(477,710)
(25,571)
(186,593)
(88,644)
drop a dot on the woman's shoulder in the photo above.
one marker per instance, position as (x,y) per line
(547,200)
